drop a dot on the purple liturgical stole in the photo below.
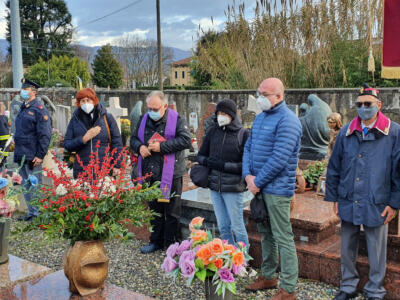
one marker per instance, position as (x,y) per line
(169,159)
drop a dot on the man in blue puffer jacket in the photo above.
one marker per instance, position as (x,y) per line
(269,166)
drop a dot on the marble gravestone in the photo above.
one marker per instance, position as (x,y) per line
(315,138)
(197,202)
(62,116)
(252,105)
(294,109)
(15,107)
(193,121)
(116,111)
(135,115)
(205,122)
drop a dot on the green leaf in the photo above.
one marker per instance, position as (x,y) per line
(202,275)
(232,287)
(199,263)
(210,273)
(212,267)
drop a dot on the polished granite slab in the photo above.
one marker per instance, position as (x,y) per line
(55,286)
(17,270)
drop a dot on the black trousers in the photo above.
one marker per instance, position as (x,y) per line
(166,229)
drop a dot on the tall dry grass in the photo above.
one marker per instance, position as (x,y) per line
(295,40)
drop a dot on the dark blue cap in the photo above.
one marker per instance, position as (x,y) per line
(26,83)
(367,90)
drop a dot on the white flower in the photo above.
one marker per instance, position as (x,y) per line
(107,180)
(113,189)
(61,190)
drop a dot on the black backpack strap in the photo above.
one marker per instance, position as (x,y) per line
(240,136)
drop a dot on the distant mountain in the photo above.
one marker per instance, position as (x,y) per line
(178,53)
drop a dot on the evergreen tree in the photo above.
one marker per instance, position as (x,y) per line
(59,70)
(46,29)
(107,71)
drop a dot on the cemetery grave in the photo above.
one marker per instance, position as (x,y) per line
(315,227)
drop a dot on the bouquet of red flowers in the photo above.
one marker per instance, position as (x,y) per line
(95,206)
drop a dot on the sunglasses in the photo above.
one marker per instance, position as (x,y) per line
(366,104)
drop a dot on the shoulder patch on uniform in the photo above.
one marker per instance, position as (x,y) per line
(31,113)
(40,106)
(45,117)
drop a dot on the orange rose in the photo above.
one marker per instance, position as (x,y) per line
(230,248)
(198,235)
(238,258)
(196,223)
(204,254)
(217,247)
(218,263)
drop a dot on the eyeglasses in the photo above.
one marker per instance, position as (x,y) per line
(154,109)
(365,104)
(265,95)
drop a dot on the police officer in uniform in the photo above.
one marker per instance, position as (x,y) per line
(32,139)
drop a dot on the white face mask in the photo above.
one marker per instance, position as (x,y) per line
(223,120)
(263,103)
(87,107)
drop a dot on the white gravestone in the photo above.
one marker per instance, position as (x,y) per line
(193,121)
(252,105)
(116,111)
(63,115)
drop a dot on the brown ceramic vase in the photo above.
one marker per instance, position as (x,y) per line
(86,267)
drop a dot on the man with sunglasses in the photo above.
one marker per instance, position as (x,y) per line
(363,182)
(160,138)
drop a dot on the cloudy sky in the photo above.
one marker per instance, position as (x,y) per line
(180,19)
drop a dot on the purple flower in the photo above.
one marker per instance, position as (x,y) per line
(236,270)
(186,263)
(169,264)
(185,245)
(226,275)
(171,251)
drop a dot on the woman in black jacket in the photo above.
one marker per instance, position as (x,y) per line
(90,124)
(222,152)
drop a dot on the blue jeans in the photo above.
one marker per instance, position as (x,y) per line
(25,172)
(228,208)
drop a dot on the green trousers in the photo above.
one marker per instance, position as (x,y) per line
(277,235)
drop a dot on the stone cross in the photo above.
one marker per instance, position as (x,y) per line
(116,110)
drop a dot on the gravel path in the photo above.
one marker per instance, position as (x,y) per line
(142,273)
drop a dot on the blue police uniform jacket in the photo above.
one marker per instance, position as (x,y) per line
(76,130)
(271,151)
(363,171)
(32,131)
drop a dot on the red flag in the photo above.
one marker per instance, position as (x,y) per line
(391,40)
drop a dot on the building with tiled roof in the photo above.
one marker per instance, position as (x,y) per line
(181,72)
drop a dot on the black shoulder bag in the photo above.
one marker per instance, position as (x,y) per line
(199,175)
(258,210)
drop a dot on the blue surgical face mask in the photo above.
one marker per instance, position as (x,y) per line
(367,113)
(24,94)
(154,115)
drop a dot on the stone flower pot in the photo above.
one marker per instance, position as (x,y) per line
(86,267)
(211,291)
(4,234)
